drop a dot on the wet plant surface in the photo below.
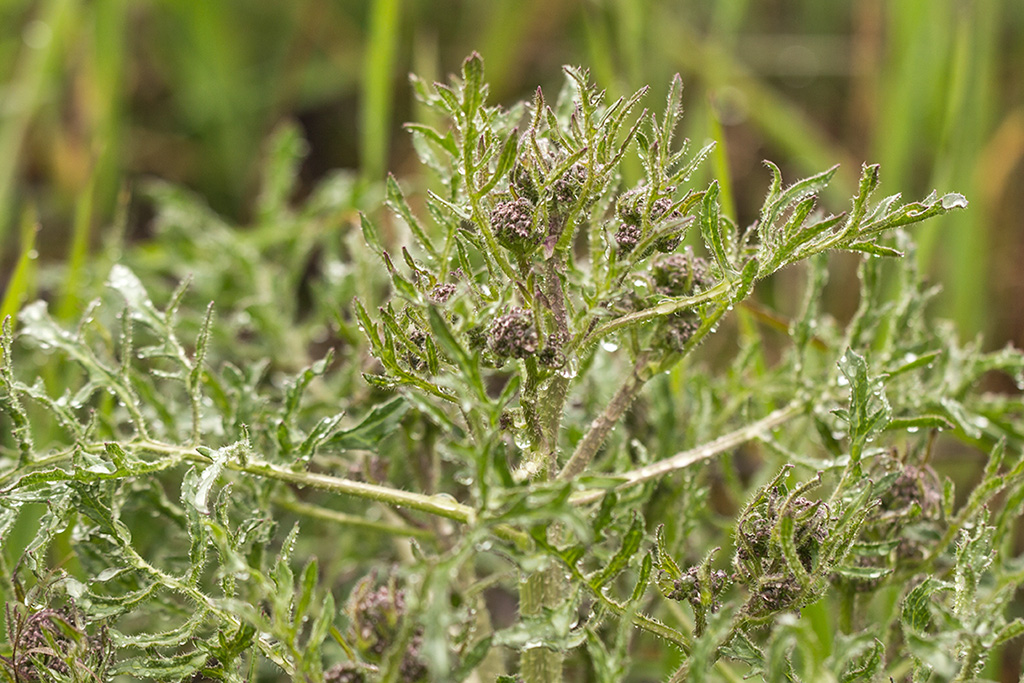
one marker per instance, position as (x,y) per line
(530,426)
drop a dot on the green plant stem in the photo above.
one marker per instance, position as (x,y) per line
(603,423)
(684,459)
(439,505)
(540,664)
(329,515)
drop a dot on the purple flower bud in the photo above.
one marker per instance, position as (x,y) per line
(513,335)
(566,190)
(442,292)
(512,222)
(627,237)
(680,274)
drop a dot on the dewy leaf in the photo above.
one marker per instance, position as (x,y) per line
(711,229)
(287,149)
(197,492)
(507,158)
(630,545)
(472,84)
(916,614)
(462,358)
(127,284)
(397,203)
(379,423)
(869,410)
(779,202)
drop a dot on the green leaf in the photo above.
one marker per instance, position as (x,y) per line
(630,545)
(869,410)
(467,364)
(472,84)
(126,283)
(472,658)
(863,573)
(1014,629)
(395,200)
(916,612)
(371,234)
(865,666)
(287,149)
(786,530)
(506,159)
(379,423)
(917,422)
(711,229)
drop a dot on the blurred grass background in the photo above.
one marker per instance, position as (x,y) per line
(97,94)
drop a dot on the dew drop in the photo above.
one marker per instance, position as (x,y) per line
(912,430)
(609,346)
(570,369)
(522,440)
(954,200)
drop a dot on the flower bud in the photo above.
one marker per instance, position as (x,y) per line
(566,190)
(680,274)
(627,237)
(513,335)
(513,225)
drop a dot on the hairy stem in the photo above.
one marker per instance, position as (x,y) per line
(603,423)
(684,459)
(540,664)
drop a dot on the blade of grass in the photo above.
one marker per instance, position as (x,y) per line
(79,250)
(46,38)
(22,282)
(378,68)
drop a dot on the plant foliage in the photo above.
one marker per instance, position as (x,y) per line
(548,434)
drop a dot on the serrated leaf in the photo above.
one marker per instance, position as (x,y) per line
(643,578)
(630,545)
(711,228)
(395,200)
(916,613)
(865,666)
(379,423)
(472,84)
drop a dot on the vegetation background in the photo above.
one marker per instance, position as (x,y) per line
(99,95)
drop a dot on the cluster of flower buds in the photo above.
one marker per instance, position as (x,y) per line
(514,225)
(908,513)
(631,208)
(513,335)
(692,589)
(759,562)
(376,618)
(566,190)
